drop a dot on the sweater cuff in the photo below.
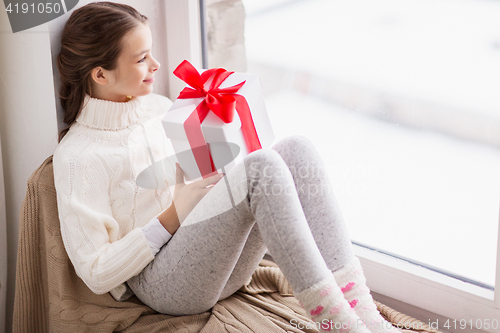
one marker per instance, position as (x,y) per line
(156,235)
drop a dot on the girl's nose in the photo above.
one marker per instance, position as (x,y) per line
(156,66)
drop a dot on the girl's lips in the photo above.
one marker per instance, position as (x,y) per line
(150,80)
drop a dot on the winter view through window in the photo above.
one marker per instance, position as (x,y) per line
(401,98)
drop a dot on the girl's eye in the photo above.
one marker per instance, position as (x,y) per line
(142,59)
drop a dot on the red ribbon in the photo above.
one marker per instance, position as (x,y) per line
(221,101)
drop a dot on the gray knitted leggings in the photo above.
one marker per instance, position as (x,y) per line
(283,200)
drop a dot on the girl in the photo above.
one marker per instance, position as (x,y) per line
(178,252)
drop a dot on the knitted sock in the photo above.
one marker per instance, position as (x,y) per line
(326,306)
(352,282)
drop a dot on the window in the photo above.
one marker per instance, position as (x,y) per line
(400,97)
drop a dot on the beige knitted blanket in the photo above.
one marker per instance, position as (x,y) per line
(50,297)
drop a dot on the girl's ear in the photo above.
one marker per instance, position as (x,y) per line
(98,76)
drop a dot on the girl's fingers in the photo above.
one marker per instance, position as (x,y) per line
(205,190)
(179,174)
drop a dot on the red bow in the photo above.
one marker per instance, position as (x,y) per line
(221,101)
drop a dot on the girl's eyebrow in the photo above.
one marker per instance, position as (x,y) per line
(142,52)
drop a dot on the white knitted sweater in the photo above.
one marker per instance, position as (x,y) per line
(101,208)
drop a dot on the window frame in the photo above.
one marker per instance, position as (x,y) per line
(183,34)
(386,275)
(3,241)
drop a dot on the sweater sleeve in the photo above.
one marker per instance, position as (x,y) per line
(87,225)
(156,235)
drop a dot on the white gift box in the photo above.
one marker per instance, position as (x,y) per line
(226,141)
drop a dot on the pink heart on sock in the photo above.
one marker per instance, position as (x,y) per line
(326,291)
(353,303)
(317,311)
(348,287)
(336,309)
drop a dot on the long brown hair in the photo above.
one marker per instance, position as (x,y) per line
(92,37)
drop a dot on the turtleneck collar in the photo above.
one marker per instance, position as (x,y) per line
(109,115)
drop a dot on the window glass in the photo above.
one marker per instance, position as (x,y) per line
(401,99)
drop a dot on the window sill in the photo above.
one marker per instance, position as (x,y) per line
(426,289)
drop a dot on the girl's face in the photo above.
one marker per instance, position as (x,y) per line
(134,74)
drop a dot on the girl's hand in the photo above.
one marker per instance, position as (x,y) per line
(187,196)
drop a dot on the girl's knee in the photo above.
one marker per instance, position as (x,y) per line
(298,140)
(295,142)
(263,160)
